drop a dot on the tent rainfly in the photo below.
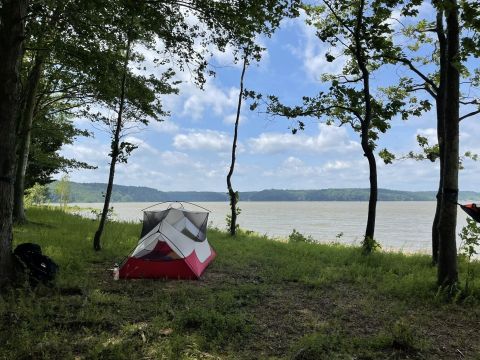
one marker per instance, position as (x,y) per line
(173,244)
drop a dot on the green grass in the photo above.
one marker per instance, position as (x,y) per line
(260,299)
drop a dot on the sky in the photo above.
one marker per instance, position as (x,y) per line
(191,149)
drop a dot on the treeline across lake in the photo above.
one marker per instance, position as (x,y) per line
(93,192)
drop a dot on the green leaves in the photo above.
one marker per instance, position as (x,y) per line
(386,156)
(124,150)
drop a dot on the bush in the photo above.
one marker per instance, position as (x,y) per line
(470,236)
(36,195)
(298,237)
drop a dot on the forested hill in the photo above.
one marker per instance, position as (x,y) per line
(92,192)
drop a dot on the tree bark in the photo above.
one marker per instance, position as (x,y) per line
(447,251)
(231,192)
(114,155)
(440,108)
(23,138)
(12,15)
(372,201)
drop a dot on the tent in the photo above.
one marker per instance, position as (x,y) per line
(173,244)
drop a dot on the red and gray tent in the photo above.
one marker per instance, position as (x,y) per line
(173,244)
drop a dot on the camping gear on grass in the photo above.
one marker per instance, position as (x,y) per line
(473,210)
(38,267)
(173,244)
(116,272)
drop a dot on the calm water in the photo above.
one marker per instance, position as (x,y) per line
(400,225)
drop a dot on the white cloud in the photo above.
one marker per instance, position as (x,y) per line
(338,165)
(212,97)
(166,126)
(91,152)
(302,175)
(203,140)
(394,22)
(429,133)
(312,51)
(175,158)
(230,119)
(142,145)
(330,138)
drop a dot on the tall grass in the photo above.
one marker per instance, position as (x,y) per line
(259,299)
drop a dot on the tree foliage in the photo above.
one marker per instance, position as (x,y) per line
(36,195)
(358,34)
(49,134)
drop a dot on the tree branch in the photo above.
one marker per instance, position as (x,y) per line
(469,114)
(415,70)
(338,18)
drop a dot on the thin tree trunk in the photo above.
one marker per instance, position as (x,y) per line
(368,151)
(114,155)
(440,108)
(23,138)
(12,15)
(231,192)
(447,254)
(372,201)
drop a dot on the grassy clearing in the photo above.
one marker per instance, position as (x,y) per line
(259,299)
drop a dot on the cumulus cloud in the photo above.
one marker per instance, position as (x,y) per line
(203,140)
(212,97)
(330,138)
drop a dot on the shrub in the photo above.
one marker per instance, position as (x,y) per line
(298,237)
(470,236)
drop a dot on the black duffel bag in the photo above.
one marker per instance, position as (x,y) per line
(38,267)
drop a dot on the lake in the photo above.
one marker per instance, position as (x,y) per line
(400,225)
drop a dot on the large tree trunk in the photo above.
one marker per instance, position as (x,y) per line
(233,195)
(12,15)
(114,155)
(440,108)
(23,138)
(447,254)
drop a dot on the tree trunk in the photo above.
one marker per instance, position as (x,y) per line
(365,124)
(447,254)
(233,195)
(23,138)
(12,15)
(114,155)
(372,201)
(440,108)
(436,219)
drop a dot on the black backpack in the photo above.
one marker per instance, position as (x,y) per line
(38,267)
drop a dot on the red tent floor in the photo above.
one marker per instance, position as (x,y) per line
(185,268)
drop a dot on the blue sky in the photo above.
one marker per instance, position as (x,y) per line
(191,149)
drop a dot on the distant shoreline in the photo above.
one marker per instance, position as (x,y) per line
(93,192)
